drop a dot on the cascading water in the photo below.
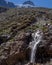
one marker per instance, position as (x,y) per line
(37,38)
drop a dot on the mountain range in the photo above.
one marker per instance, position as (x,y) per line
(3,3)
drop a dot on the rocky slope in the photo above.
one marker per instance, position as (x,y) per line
(16,28)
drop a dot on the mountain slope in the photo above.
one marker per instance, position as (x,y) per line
(12,21)
(16,28)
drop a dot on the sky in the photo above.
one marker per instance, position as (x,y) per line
(39,3)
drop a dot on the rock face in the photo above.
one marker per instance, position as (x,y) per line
(18,52)
(45,47)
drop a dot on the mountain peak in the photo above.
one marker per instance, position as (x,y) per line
(4,3)
(29,3)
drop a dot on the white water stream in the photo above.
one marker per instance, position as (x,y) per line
(37,38)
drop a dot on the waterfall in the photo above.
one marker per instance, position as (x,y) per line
(37,38)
